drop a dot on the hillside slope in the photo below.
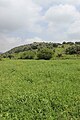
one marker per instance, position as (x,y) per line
(64,50)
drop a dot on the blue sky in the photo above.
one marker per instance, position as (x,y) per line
(27,21)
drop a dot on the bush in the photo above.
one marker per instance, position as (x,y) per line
(10,56)
(64,42)
(45,54)
(55,44)
(78,43)
(4,56)
(70,43)
(0,58)
(73,50)
(27,55)
(59,55)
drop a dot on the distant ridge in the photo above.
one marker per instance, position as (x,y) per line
(32,46)
(31,51)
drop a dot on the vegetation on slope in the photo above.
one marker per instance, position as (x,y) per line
(35,50)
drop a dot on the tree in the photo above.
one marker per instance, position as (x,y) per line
(59,55)
(78,43)
(45,53)
(64,42)
(27,55)
(10,56)
(73,50)
(0,57)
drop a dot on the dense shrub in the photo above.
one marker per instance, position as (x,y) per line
(55,44)
(4,56)
(73,50)
(0,57)
(33,46)
(27,55)
(64,42)
(59,55)
(77,43)
(10,56)
(70,43)
(45,54)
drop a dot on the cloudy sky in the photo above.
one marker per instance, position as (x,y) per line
(27,21)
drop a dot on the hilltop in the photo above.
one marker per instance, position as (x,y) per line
(54,50)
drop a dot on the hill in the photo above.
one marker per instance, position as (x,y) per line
(30,51)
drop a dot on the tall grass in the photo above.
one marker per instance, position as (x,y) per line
(40,90)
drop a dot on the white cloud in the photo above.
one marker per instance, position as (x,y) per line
(35,39)
(74,30)
(47,3)
(8,42)
(60,18)
(20,14)
(55,20)
(62,14)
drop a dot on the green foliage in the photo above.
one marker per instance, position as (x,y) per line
(30,51)
(0,57)
(4,55)
(73,50)
(40,90)
(30,47)
(78,43)
(64,42)
(59,55)
(45,54)
(70,43)
(10,56)
(27,55)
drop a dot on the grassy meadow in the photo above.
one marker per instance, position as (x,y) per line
(40,90)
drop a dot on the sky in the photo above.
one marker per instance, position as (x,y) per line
(27,21)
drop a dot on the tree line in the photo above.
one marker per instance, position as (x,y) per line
(42,50)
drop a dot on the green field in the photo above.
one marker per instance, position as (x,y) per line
(40,90)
